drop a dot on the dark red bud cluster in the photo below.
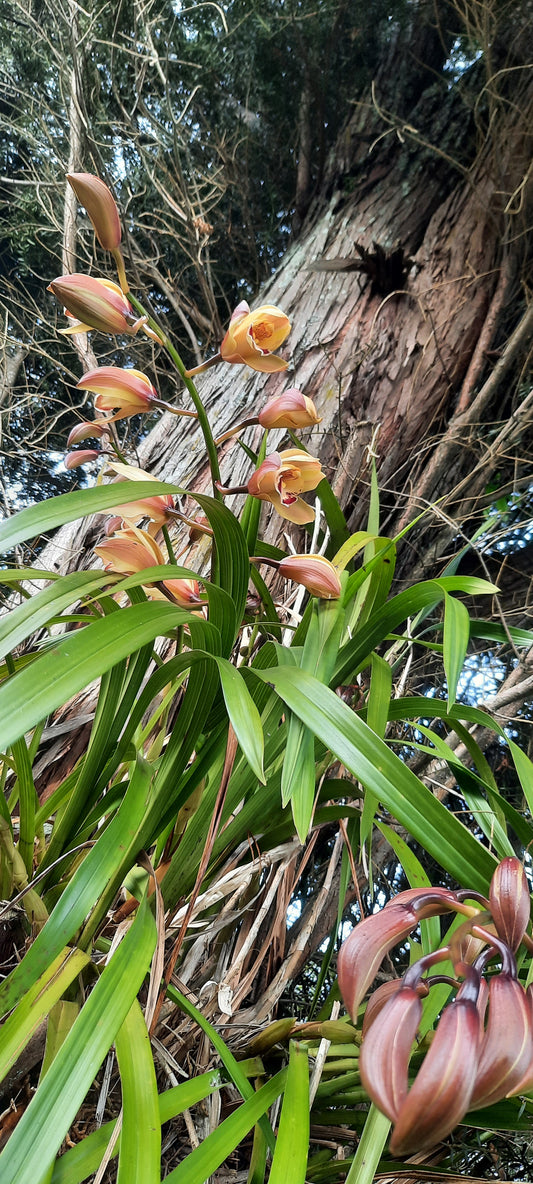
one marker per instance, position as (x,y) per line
(482,1047)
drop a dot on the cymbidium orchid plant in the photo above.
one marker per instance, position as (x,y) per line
(472,1061)
(221,708)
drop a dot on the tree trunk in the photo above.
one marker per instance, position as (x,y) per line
(393,341)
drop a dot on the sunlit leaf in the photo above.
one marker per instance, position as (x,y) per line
(38,1136)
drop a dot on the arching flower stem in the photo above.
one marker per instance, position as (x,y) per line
(238,427)
(200,409)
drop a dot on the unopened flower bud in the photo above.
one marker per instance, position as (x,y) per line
(506,1054)
(386,1049)
(94,304)
(83,456)
(362,953)
(101,208)
(316,574)
(85,431)
(440,1095)
(289,410)
(510,901)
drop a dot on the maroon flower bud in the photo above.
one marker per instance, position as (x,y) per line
(526,1083)
(506,1054)
(364,950)
(82,456)
(441,1093)
(377,1001)
(386,1049)
(510,902)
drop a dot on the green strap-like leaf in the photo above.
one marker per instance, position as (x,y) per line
(206,1158)
(456,638)
(36,1004)
(233,1068)
(38,690)
(32,614)
(140,1139)
(243,714)
(370,1148)
(422,598)
(81,1161)
(292,1144)
(97,877)
(232,552)
(381,771)
(30,1152)
(56,511)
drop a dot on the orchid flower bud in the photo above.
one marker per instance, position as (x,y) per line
(510,902)
(253,336)
(284,475)
(506,1056)
(525,1085)
(440,1095)
(289,410)
(362,953)
(101,208)
(85,431)
(126,392)
(386,1050)
(316,574)
(94,304)
(82,456)
(377,1001)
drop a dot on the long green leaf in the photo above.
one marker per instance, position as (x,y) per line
(244,715)
(77,1164)
(420,599)
(234,1070)
(370,1148)
(292,1144)
(36,1004)
(56,511)
(32,614)
(38,690)
(381,771)
(206,1158)
(232,552)
(140,1139)
(30,1152)
(456,638)
(97,877)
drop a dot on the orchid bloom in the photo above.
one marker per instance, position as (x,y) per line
(94,304)
(315,572)
(289,410)
(156,508)
(133,550)
(282,477)
(253,336)
(126,392)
